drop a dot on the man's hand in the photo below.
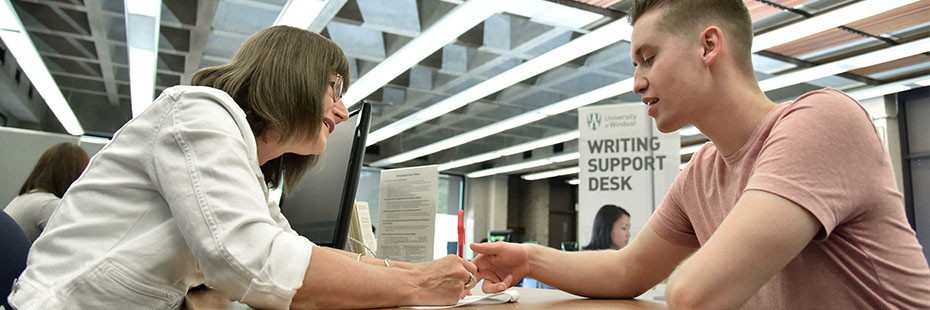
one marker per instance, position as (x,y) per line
(500,264)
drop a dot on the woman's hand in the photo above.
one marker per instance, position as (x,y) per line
(443,281)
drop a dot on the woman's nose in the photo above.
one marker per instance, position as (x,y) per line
(339,109)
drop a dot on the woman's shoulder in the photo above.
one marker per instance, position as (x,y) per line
(203,101)
(32,199)
(39,196)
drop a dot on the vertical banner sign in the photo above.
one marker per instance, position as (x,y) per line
(625,161)
(407,213)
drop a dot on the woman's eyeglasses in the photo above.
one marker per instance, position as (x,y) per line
(337,87)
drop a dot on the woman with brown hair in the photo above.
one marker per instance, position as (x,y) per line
(179,198)
(39,196)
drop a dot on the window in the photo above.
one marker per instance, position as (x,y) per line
(914,105)
(450,200)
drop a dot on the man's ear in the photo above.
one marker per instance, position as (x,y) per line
(712,44)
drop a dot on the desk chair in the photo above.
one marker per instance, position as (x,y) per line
(15,247)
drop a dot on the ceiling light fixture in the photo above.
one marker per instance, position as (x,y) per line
(689,130)
(888,88)
(300,13)
(597,39)
(17,40)
(520,148)
(552,13)
(584,99)
(143,18)
(817,24)
(445,30)
(551,173)
(525,165)
(848,64)
(94,140)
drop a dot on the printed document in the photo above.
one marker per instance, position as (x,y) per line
(407,213)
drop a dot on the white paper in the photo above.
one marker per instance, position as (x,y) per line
(492,299)
(364,222)
(407,213)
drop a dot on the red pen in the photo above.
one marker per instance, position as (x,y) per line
(461,232)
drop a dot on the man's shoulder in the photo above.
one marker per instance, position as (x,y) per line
(826,99)
(827,106)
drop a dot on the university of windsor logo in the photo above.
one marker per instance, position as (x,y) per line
(594,121)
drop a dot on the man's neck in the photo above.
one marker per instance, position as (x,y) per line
(731,121)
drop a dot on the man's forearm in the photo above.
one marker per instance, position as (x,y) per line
(599,274)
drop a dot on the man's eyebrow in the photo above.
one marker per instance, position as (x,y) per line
(640,48)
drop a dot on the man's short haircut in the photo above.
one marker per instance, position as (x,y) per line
(279,77)
(686,18)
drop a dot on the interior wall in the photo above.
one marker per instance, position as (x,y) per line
(20,152)
(486,205)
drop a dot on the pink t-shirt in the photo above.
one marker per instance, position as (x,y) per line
(822,153)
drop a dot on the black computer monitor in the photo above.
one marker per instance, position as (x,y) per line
(500,235)
(321,206)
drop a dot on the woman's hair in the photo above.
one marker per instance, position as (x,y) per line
(56,169)
(279,77)
(603,223)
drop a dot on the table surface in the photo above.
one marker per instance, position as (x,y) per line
(530,298)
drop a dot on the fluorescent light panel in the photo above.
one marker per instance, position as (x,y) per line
(584,99)
(848,64)
(689,130)
(510,168)
(888,88)
(143,7)
(473,135)
(143,18)
(573,181)
(17,40)
(525,165)
(598,39)
(551,173)
(94,140)
(300,13)
(447,29)
(520,148)
(552,13)
(825,22)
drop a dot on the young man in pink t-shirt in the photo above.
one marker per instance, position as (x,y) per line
(792,205)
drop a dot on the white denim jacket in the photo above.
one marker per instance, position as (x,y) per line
(176,199)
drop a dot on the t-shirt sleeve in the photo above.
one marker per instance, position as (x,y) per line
(819,155)
(669,220)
